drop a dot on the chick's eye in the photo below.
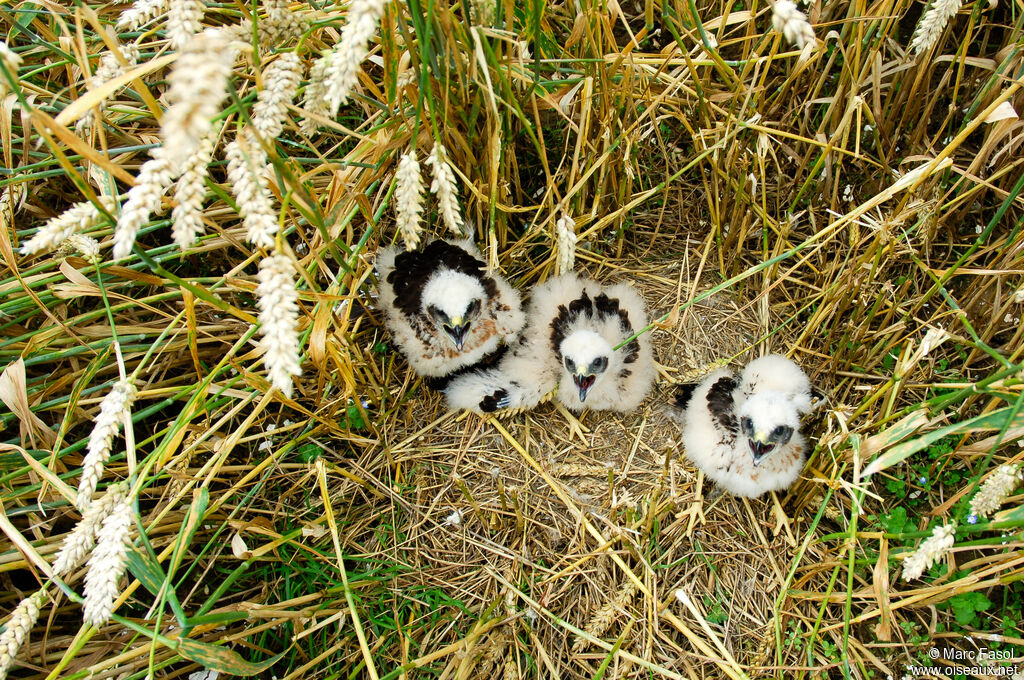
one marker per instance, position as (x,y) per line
(599,364)
(570,365)
(747,424)
(778,432)
(473,308)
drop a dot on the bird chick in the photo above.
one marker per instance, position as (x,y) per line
(573,327)
(744,431)
(445,313)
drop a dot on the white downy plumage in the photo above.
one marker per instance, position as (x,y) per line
(744,432)
(444,311)
(573,326)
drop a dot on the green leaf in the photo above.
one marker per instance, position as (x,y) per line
(996,420)
(222,659)
(967,605)
(1010,514)
(149,573)
(896,521)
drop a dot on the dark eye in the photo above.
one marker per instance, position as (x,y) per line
(473,308)
(437,314)
(779,431)
(747,425)
(570,365)
(599,364)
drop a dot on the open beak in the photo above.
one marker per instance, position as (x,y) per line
(760,446)
(583,384)
(458,331)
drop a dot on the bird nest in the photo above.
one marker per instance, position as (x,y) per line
(544,513)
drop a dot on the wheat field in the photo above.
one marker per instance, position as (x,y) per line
(214,460)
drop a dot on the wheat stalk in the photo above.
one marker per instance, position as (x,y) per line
(279,312)
(80,540)
(792,23)
(409,199)
(106,565)
(930,551)
(444,187)
(932,24)
(17,629)
(114,409)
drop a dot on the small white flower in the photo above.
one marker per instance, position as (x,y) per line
(86,245)
(141,12)
(184,20)
(189,193)
(280,83)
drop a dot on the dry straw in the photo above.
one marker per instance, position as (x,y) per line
(80,540)
(155,176)
(109,68)
(17,629)
(74,220)
(605,616)
(198,86)
(446,190)
(929,552)
(189,192)
(247,172)
(792,23)
(11,62)
(409,199)
(278,301)
(994,491)
(141,12)
(106,565)
(565,245)
(932,23)
(114,409)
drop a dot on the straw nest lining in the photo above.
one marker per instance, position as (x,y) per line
(480,516)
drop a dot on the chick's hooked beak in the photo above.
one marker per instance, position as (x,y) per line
(760,446)
(583,381)
(457,330)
